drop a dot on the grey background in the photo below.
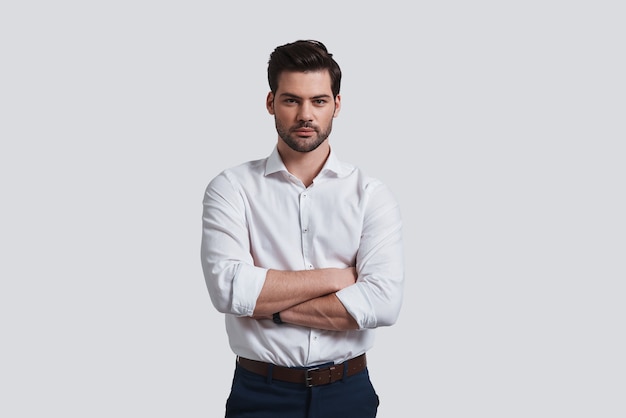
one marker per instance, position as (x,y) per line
(499,125)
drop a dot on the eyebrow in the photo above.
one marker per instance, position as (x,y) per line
(294,96)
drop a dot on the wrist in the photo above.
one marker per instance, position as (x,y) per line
(277,319)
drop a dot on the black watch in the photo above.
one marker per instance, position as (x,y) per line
(276,318)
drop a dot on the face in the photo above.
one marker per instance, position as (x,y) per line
(303,109)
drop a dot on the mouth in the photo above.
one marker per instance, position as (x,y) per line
(304,131)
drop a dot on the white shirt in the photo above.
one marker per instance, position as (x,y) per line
(257,216)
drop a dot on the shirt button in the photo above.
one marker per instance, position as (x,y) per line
(305,230)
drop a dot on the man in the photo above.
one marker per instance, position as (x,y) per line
(303,254)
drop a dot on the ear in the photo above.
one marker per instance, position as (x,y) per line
(337,106)
(269,103)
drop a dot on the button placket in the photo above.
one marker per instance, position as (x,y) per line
(304,229)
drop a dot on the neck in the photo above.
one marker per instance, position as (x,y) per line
(304,165)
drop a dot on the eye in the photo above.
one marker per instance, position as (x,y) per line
(320,102)
(290,101)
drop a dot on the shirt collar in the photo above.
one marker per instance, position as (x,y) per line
(275,164)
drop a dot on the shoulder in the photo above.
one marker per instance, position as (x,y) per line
(352,173)
(375,192)
(364,181)
(231,183)
(238,173)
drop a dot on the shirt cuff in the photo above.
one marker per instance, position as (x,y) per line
(353,297)
(247,286)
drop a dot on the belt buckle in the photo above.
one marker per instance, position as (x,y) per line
(307,378)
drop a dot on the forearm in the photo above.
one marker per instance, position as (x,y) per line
(325,312)
(285,289)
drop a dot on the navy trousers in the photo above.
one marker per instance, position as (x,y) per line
(255,396)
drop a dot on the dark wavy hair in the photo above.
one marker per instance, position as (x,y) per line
(303,55)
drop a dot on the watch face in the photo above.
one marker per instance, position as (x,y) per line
(276,318)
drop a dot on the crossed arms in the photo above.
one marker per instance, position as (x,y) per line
(307,298)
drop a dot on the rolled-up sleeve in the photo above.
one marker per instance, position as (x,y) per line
(232,279)
(376,298)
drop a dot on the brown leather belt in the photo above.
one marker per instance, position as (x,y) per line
(314,376)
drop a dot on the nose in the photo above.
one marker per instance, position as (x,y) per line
(305,113)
